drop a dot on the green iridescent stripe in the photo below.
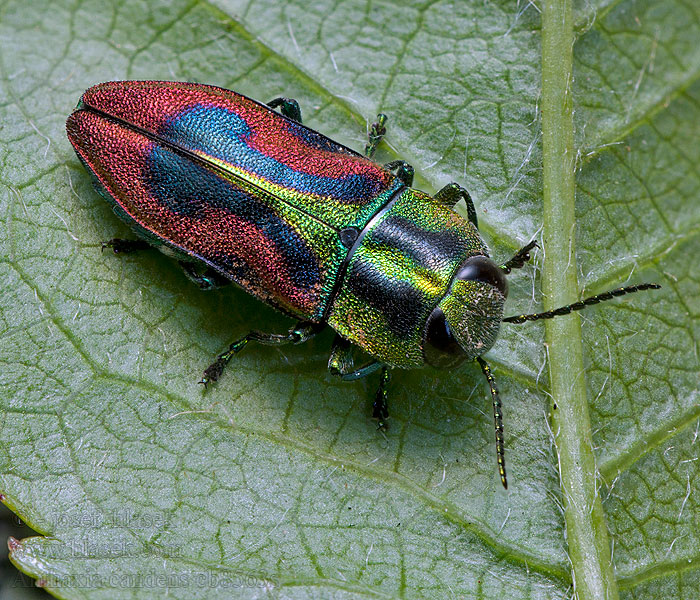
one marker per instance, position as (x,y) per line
(325,208)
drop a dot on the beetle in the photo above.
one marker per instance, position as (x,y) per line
(238,191)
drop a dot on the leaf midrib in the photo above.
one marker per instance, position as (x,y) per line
(586,530)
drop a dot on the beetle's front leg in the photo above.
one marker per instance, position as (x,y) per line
(288,107)
(342,365)
(298,334)
(453,193)
(520,258)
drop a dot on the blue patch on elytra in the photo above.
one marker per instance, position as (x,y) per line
(225,135)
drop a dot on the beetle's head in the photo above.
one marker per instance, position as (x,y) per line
(465,323)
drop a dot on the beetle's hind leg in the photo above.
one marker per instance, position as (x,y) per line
(209,279)
(122,246)
(342,365)
(298,334)
(288,107)
(453,193)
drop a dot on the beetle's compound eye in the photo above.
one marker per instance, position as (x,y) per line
(440,347)
(482,268)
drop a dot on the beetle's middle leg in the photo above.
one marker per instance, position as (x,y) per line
(453,193)
(377,131)
(298,334)
(288,107)
(342,365)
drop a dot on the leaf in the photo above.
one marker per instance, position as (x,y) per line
(13,584)
(276,480)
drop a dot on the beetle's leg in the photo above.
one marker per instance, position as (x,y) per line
(120,246)
(341,364)
(209,279)
(298,334)
(377,130)
(498,420)
(520,258)
(404,171)
(288,107)
(380,409)
(453,193)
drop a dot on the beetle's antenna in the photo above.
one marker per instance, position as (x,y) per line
(498,420)
(565,310)
(520,258)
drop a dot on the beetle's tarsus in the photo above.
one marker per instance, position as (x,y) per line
(121,246)
(380,409)
(212,373)
(519,258)
(376,132)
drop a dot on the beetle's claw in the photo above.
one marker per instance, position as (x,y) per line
(117,245)
(120,246)
(212,373)
(382,425)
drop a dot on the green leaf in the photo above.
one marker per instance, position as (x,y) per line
(276,479)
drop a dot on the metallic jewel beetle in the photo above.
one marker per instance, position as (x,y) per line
(237,191)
